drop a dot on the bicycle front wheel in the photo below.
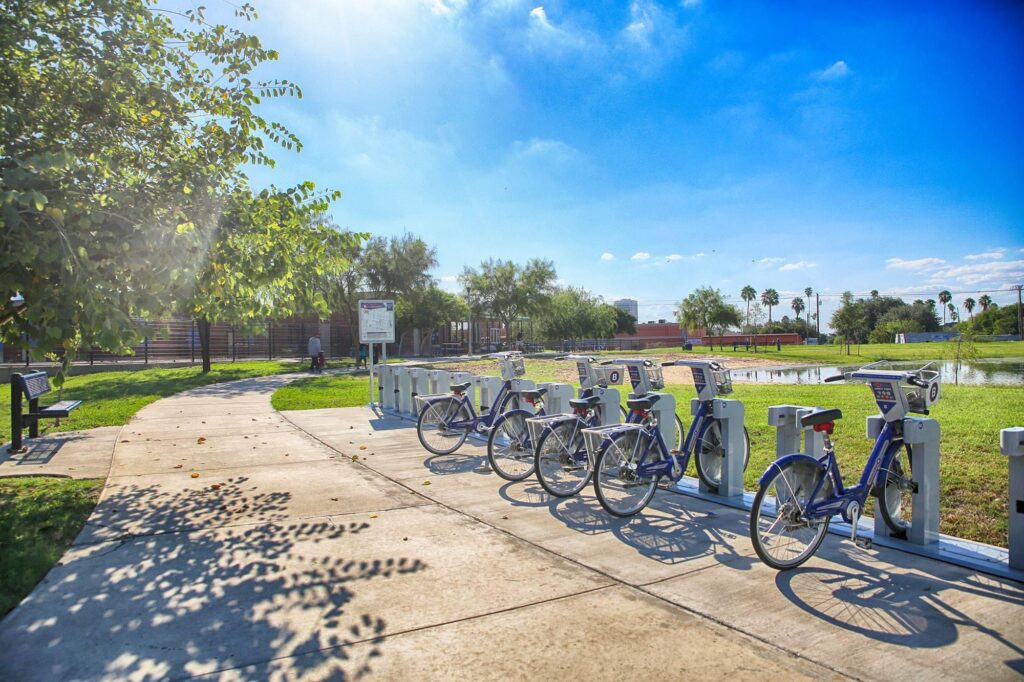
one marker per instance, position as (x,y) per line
(710,454)
(783,538)
(433,428)
(895,495)
(508,446)
(620,490)
(563,467)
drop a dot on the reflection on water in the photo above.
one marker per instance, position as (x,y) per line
(989,371)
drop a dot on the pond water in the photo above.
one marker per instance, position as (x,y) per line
(988,371)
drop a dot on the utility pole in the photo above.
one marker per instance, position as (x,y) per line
(817,316)
(1020,315)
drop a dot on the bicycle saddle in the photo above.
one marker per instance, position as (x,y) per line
(460,388)
(533,394)
(644,402)
(821,417)
(583,403)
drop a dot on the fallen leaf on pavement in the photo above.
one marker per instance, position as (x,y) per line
(195,475)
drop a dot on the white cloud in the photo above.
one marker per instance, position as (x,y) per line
(799,265)
(552,150)
(640,255)
(449,278)
(606,256)
(987,255)
(673,257)
(834,72)
(689,4)
(641,23)
(544,34)
(984,273)
(770,260)
(538,15)
(918,264)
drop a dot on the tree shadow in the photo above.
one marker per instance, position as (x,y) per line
(182,592)
(907,609)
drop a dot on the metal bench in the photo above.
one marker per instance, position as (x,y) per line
(29,387)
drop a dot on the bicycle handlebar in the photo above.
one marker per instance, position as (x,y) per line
(838,377)
(914,381)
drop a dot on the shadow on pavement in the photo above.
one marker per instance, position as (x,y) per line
(905,609)
(175,604)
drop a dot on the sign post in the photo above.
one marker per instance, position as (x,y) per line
(376,325)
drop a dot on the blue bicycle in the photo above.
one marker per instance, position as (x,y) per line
(631,459)
(446,421)
(800,494)
(560,458)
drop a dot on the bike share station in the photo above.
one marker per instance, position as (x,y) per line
(403,391)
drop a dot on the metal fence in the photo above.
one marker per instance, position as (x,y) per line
(177,340)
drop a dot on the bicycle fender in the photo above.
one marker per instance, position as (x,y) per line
(505,415)
(778,464)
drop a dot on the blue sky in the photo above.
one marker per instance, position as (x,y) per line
(648,148)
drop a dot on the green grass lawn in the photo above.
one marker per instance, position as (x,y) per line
(111,398)
(39,518)
(324,391)
(973,474)
(836,355)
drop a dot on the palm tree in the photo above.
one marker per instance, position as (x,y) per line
(944,298)
(969,306)
(952,312)
(770,297)
(798,306)
(984,301)
(808,292)
(748,294)
(874,293)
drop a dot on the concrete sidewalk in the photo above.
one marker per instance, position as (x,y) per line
(231,543)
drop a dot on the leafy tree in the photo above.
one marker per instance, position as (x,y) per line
(798,306)
(969,306)
(575,314)
(885,332)
(427,309)
(624,322)
(507,290)
(266,260)
(996,319)
(848,322)
(397,266)
(984,301)
(944,298)
(918,316)
(705,308)
(124,126)
(748,294)
(770,298)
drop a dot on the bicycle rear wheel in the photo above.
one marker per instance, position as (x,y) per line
(895,495)
(508,446)
(782,537)
(433,430)
(563,467)
(709,454)
(618,487)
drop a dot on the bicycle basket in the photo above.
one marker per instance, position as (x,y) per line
(723,380)
(594,436)
(655,377)
(537,425)
(919,399)
(608,375)
(512,367)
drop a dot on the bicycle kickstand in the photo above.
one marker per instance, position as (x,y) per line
(863,543)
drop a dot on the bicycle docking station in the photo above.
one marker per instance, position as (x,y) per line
(790,437)
(438,381)
(1012,446)
(557,397)
(388,388)
(730,414)
(487,390)
(922,436)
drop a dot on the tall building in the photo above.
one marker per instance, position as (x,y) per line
(628,305)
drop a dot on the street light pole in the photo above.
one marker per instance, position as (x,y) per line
(1020,315)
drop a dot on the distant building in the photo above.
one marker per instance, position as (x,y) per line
(628,305)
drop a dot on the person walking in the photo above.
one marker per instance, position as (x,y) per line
(314,351)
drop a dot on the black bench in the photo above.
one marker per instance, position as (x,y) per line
(29,387)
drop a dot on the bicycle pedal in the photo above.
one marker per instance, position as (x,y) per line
(863,543)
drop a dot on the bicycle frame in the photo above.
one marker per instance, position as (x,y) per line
(886,446)
(668,464)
